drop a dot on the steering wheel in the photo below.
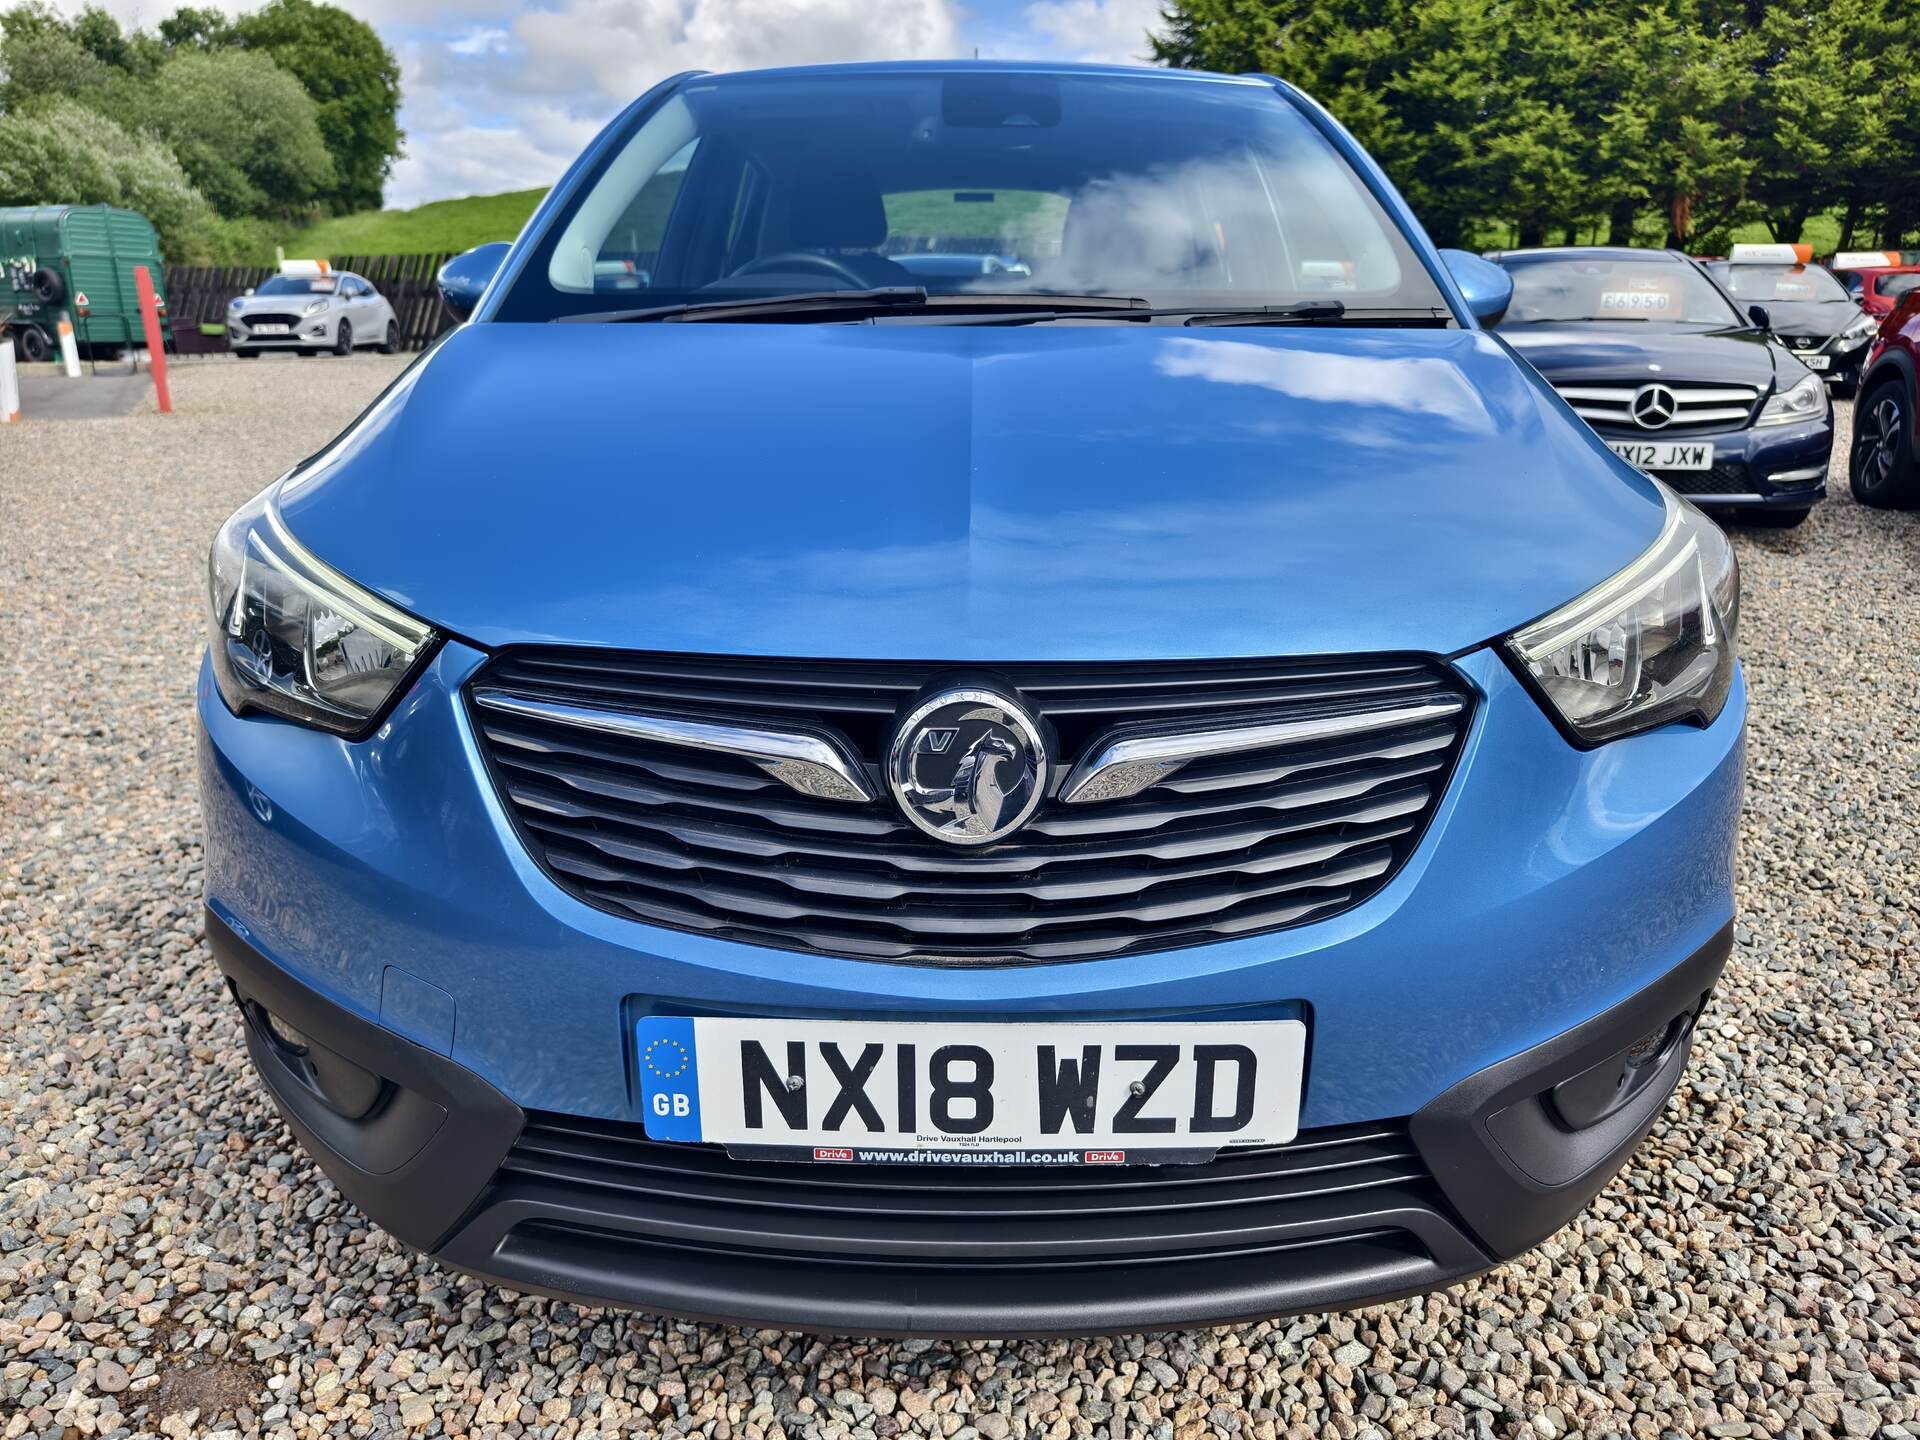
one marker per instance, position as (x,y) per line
(804,259)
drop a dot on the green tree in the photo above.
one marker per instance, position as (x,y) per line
(1481,110)
(189,28)
(1543,119)
(244,131)
(1672,137)
(352,77)
(63,152)
(39,65)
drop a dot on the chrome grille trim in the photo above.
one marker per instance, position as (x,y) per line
(811,764)
(1229,843)
(1124,765)
(1699,405)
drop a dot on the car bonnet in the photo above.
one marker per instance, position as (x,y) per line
(973,493)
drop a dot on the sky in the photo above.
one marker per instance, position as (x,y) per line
(501,95)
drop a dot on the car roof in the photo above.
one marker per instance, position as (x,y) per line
(987,67)
(1588,252)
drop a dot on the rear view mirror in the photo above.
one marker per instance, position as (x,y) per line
(464,279)
(1487,287)
(1759,316)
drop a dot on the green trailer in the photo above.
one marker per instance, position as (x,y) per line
(75,260)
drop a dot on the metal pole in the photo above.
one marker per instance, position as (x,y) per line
(150,322)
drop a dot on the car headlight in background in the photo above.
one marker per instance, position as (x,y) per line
(1805,401)
(1858,333)
(294,637)
(1652,645)
(315,307)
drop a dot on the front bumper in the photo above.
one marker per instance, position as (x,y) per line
(314,332)
(1842,368)
(1561,905)
(1781,467)
(595,1213)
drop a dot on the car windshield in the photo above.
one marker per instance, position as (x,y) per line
(298,285)
(1893,287)
(1777,283)
(1172,191)
(1652,289)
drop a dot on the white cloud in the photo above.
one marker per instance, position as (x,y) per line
(480,40)
(623,46)
(1109,31)
(504,109)
(502,94)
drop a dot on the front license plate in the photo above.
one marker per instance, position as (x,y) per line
(1817,362)
(992,1094)
(268,329)
(1672,455)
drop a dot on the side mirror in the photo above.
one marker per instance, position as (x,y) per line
(464,279)
(249,290)
(1488,288)
(1759,316)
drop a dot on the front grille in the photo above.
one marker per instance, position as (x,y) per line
(253,320)
(1728,477)
(1225,847)
(1328,1183)
(1608,407)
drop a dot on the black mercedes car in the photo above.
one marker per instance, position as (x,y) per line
(1808,310)
(1674,375)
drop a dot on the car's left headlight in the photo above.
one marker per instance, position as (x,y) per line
(1652,645)
(1806,400)
(1858,333)
(316,306)
(294,637)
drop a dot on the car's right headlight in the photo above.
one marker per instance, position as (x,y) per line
(294,637)
(1654,644)
(1804,401)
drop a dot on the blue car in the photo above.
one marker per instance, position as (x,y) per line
(1182,787)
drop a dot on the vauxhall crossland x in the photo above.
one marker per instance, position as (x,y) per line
(1165,781)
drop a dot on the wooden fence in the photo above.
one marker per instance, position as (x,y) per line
(198,294)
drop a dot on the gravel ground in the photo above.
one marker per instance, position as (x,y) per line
(169,1262)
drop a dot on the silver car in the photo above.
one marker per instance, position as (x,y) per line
(310,313)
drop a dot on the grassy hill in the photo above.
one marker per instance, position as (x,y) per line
(427,230)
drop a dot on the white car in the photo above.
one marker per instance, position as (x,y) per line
(310,310)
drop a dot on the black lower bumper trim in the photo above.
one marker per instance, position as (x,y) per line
(592,1211)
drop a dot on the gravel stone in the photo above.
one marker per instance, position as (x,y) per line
(171,1264)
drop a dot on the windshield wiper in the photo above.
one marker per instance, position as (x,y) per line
(1320,312)
(1312,312)
(814,302)
(860,304)
(913,303)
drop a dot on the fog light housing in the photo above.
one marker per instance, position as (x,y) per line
(1811,475)
(345,1088)
(1609,1087)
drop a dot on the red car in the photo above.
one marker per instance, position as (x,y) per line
(1886,417)
(1878,279)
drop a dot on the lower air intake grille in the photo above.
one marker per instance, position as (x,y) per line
(1728,477)
(1326,1183)
(1227,846)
